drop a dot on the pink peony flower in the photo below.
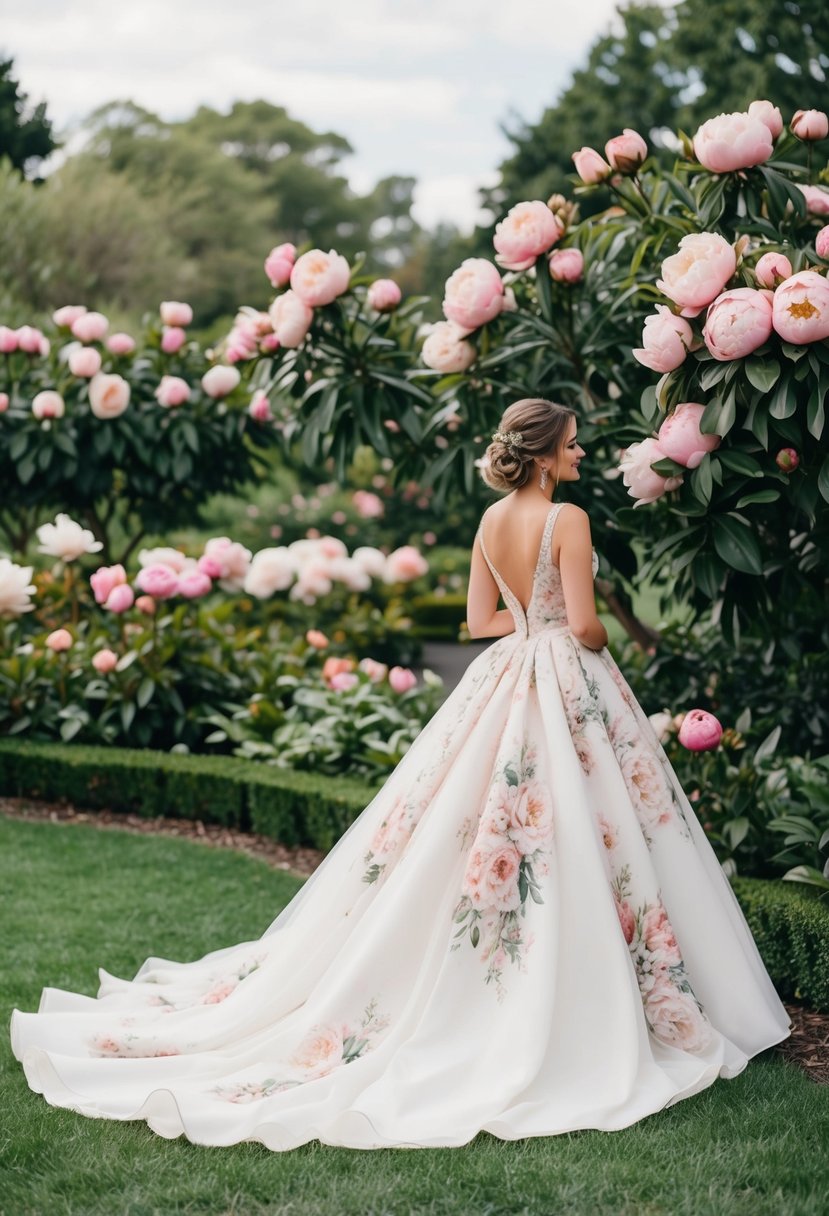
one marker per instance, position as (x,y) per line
(817,199)
(491,878)
(317,639)
(674,1016)
(59,639)
(698,271)
(66,317)
(173,312)
(822,243)
(120,344)
(527,231)
(373,669)
(4,402)
(810,124)
(787,460)
(291,319)
(700,731)
(768,114)
(230,562)
(590,166)
(172,391)
(658,936)
(643,483)
(626,919)
(173,338)
(445,349)
(737,323)
(259,407)
(157,580)
(322,1047)
(334,666)
(626,152)
(105,661)
(85,361)
(318,278)
(566,265)
(219,381)
(279,263)
(474,294)
(29,339)
(104,580)
(402,679)
(146,604)
(681,439)
(343,681)
(405,564)
(109,395)
(666,340)
(48,404)
(800,311)
(772,268)
(120,599)
(90,327)
(732,141)
(384,295)
(8,340)
(368,505)
(194,584)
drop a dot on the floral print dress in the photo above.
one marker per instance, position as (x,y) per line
(525,932)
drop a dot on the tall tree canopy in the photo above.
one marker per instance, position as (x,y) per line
(25,131)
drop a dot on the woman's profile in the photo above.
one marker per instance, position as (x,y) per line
(525,932)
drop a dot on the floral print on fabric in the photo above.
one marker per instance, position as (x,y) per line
(505,862)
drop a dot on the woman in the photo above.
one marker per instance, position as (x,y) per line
(526,931)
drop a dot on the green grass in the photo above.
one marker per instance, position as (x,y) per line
(75,897)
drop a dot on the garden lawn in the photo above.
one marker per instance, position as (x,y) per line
(75,898)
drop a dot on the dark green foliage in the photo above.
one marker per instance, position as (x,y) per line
(25,131)
(790,924)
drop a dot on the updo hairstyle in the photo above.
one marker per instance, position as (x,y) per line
(542,428)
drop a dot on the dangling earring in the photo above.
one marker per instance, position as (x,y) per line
(543,482)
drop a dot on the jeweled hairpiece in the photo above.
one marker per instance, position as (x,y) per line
(512,439)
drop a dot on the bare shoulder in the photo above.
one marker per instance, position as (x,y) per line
(573,520)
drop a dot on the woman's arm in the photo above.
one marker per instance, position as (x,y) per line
(482,619)
(575,562)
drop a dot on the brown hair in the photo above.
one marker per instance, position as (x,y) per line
(542,426)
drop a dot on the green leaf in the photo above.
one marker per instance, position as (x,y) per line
(727,414)
(145,692)
(762,374)
(739,462)
(26,468)
(823,480)
(737,545)
(767,747)
(815,413)
(758,496)
(127,715)
(475,936)
(69,728)
(191,435)
(18,445)
(544,289)
(702,482)
(783,403)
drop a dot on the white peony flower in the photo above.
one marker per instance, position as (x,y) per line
(270,570)
(15,588)
(66,539)
(164,556)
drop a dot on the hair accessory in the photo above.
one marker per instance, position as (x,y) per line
(512,439)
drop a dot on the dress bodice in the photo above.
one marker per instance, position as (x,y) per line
(546,609)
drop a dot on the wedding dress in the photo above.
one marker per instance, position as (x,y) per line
(525,932)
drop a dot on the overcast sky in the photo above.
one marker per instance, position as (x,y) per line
(417,87)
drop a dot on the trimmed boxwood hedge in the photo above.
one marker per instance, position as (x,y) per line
(790,922)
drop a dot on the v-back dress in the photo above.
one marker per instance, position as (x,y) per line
(525,932)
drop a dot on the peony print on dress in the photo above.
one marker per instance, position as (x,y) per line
(672,1011)
(324,1048)
(505,862)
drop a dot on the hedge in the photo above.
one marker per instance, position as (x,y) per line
(790,922)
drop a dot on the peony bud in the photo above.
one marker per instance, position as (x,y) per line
(810,124)
(4,402)
(384,295)
(90,327)
(772,268)
(8,340)
(59,639)
(173,338)
(66,317)
(700,731)
(120,599)
(48,404)
(105,661)
(626,152)
(402,679)
(120,344)
(316,638)
(146,604)
(85,362)
(591,167)
(173,312)
(822,243)
(220,380)
(566,265)
(279,263)
(787,460)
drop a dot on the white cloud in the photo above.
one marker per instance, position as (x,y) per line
(451,199)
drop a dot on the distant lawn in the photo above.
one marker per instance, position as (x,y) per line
(75,898)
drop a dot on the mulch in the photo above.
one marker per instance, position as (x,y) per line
(807,1046)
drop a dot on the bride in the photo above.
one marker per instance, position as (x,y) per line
(525,932)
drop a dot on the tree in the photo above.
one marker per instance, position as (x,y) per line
(25,131)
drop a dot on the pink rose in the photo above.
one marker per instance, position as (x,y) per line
(768,114)
(817,199)
(105,661)
(317,639)
(194,584)
(700,731)
(29,339)
(4,402)
(643,483)
(402,679)
(698,271)
(343,681)
(85,361)
(787,460)
(291,319)
(109,395)
(120,344)
(474,294)
(104,580)
(384,295)
(146,604)
(527,231)
(674,1016)
(90,327)
(772,268)
(658,936)
(59,639)
(66,317)
(800,311)
(120,599)
(368,505)
(374,670)
(259,407)
(8,340)
(666,340)
(566,265)
(279,263)
(626,152)
(445,349)
(48,404)
(173,338)
(626,919)
(737,323)
(173,312)
(321,1047)
(530,819)
(681,439)
(218,381)
(822,242)
(732,141)
(404,564)
(491,878)
(318,278)
(810,124)
(590,166)
(172,391)
(157,580)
